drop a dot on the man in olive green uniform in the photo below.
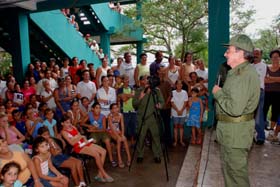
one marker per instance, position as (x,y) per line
(235,106)
(143,100)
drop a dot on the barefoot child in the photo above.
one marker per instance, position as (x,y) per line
(195,116)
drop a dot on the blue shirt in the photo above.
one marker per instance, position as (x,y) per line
(50,126)
(97,123)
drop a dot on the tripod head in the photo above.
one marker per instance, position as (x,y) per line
(153,81)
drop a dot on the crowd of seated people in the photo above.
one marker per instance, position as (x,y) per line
(83,109)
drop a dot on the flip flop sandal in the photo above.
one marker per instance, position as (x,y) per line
(99,179)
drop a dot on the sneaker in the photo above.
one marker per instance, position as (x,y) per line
(269,128)
(82,184)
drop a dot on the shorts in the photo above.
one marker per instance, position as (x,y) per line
(130,123)
(99,136)
(77,148)
(45,182)
(178,120)
(57,160)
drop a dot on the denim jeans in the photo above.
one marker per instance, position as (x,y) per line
(259,118)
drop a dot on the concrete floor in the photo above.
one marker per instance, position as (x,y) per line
(264,164)
(147,174)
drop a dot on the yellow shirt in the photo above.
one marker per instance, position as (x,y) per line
(17,157)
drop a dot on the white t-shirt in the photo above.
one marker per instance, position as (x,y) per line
(261,68)
(128,69)
(110,97)
(41,88)
(51,103)
(86,89)
(18,98)
(179,99)
(64,71)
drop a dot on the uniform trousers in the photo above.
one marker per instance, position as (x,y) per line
(235,166)
(150,123)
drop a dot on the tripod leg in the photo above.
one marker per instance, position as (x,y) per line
(156,138)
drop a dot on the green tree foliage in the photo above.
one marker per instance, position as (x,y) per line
(172,23)
(240,17)
(5,64)
(178,26)
(269,38)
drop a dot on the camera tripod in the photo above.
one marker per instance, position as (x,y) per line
(159,123)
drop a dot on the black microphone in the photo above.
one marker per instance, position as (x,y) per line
(218,82)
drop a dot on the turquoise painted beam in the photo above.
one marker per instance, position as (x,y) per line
(59,30)
(218,34)
(117,23)
(54,4)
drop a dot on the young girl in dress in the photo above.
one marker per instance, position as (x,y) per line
(116,130)
(82,146)
(48,174)
(195,116)
(9,175)
(179,104)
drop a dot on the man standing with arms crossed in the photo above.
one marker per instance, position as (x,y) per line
(261,68)
(235,106)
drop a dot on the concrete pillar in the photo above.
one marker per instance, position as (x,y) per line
(139,50)
(139,45)
(105,44)
(219,11)
(21,54)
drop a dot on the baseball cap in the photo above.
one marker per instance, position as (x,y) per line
(241,41)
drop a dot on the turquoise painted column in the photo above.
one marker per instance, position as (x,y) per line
(218,34)
(139,45)
(139,50)
(105,44)
(21,55)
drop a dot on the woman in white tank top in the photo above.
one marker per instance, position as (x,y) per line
(173,71)
(102,71)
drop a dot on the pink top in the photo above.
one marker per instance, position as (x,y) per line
(28,92)
(13,135)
